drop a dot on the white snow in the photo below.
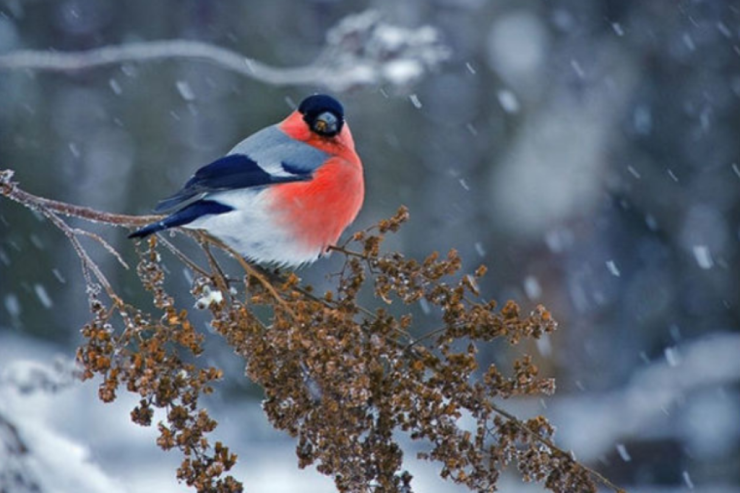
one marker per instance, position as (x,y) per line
(736,169)
(12,305)
(722,28)
(415,101)
(613,269)
(424,305)
(623,453)
(400,72)
(672,356)
(74,149)
(703,256)
(185,91)
(43,296)
(532,287)
(508,101)
(479,249)
(517,48)
(208,298)
(577,68)
(115,86)
(544,345)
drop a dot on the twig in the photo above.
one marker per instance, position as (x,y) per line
(548,443)
(183,258)
(347,252)
(104,243)
(88,264)
(11,190)
(249,269)
(426,336)
(218,276)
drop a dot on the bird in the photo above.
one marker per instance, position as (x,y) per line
(280,197)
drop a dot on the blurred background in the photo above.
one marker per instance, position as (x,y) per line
(587,152)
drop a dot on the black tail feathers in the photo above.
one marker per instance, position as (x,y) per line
(149,229)
(182,217)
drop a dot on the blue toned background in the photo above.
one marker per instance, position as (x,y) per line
(587,152)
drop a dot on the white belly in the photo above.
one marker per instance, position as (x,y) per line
(250,230)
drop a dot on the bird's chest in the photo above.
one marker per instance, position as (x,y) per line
(317,211)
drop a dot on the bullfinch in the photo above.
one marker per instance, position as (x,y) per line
(283,195)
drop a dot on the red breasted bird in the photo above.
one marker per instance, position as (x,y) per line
(281,196)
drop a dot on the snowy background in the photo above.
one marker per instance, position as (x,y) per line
(587,151)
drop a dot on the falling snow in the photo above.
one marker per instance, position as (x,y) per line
(58,275)
(115,86)
(508,101)
(480,249)
(415,101)
(43,296)
(601,178)
(12,305)
(424,305)
(544,345)
(532,288)
(736,169)
(577,68)
(672,356)
(622,451)
(634,172)
(185,91)
(74,149)
(613,269)
(703,256)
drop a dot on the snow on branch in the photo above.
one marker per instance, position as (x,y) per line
(360,50)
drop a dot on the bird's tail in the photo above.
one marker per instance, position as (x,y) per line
(182,217)
(150,229)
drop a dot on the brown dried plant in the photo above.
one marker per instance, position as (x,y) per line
(344,380)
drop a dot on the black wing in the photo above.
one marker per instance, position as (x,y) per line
(229,172)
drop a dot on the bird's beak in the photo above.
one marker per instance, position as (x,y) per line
(326,123)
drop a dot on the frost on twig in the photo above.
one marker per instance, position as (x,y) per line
(361,50)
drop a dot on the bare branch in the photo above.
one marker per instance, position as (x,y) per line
(360,50)
(104,244)
(10,190)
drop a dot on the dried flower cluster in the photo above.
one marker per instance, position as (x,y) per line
(344,380)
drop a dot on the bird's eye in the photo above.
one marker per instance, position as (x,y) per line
(326,124)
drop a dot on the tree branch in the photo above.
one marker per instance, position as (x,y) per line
(9,189)
(360,50)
